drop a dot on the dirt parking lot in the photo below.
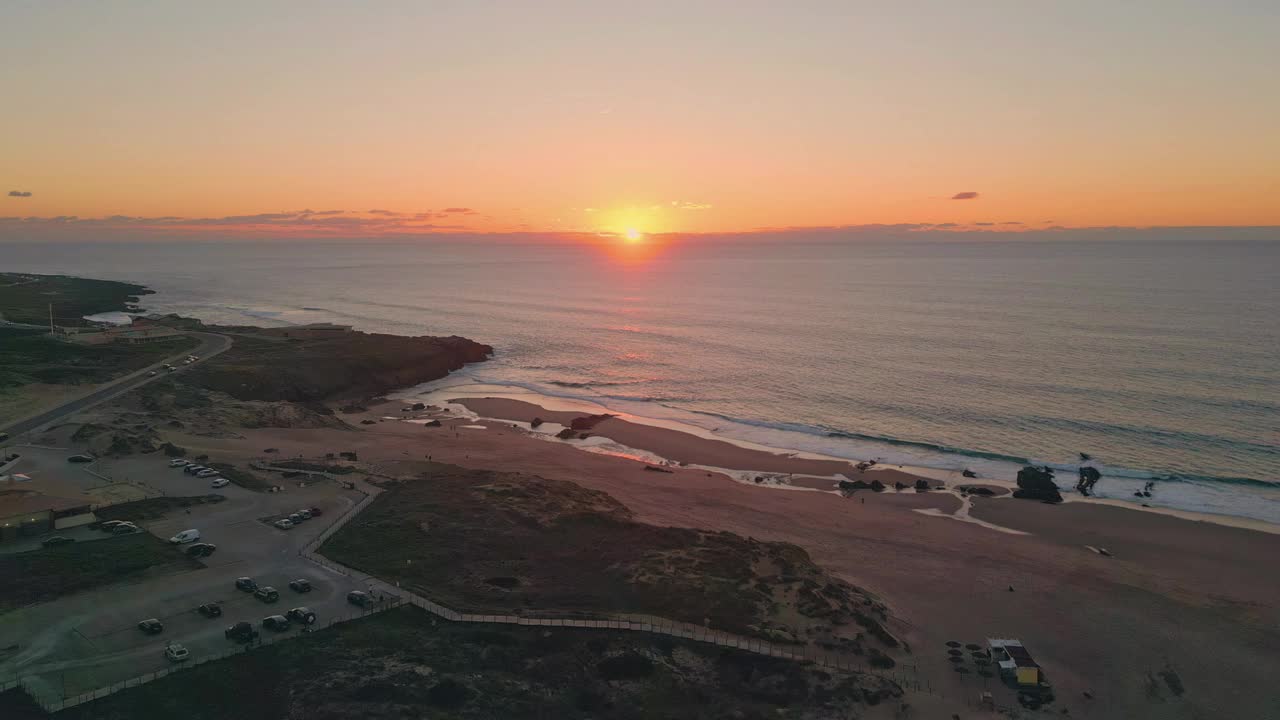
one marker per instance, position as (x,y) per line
(91,639)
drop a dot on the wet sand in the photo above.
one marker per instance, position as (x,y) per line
(1192,597)
(671,444)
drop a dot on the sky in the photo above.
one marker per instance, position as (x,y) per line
(369,118)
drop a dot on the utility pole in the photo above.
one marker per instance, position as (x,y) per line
(50,319)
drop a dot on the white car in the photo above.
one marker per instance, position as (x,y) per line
(207,472)
(283,524)
(186,536)
(176,653)
(179,462)
(219,482)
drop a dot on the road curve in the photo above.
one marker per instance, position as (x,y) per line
(210,344)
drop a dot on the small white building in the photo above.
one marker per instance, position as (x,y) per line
(1014,661)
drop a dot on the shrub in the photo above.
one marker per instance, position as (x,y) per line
(448,693)
(628,666)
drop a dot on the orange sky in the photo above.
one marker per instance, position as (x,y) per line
(601,117)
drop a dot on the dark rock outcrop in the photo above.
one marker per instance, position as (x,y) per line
(1089,476)
(922,485)
(567,434)
(535,422)
(976,490)
(969,473)
(1036,483)
(587,422)
(852,485)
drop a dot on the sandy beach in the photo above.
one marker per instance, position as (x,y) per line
(685,448)
(1176,596)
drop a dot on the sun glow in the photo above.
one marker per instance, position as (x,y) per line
(632,235)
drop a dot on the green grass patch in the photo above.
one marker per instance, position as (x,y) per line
(48,573)
(26,298)
(31,356)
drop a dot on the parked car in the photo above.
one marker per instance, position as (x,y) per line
(302,615)
(202,549)
(151,374)
(151,626)
(210,610)
(241,632)
(275,622)
(110,524)
(316,512)
(301,585)
(57,540)
(124,528)
(193,469)
(176,653)
(283,524)
(359,598)
(179,462)
(185,536)
(219,482)
(304,513)
(207,472)
(267,594)
(295,518)
(247,584)
(81,459)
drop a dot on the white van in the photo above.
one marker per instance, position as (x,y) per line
(185,536)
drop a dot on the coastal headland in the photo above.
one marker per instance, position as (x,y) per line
(1177,619)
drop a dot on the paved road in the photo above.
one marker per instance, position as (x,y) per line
(210,345)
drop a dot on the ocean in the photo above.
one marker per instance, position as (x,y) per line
(1158,359)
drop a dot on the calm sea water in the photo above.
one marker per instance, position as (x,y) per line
(1157,358)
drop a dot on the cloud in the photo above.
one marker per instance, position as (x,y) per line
(984,224)
(299,223)
(967,195)
(19,193)
(458,211)
(388,213)
(690,205)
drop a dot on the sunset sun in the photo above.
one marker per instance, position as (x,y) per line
(632,235)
